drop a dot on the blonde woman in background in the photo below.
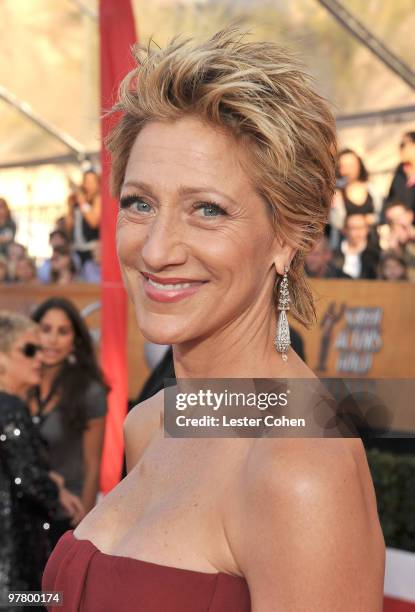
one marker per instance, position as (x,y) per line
(29,492)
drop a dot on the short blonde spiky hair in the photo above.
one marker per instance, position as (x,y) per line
(258,92)
(12,325)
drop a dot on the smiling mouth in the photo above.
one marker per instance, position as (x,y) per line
(170,286)
(169,289)
(50,352)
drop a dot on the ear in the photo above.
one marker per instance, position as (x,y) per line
(283,256)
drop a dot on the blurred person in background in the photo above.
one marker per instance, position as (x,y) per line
(60,225)
(70,404)
(3,270)
(62,267)
(356,256)
(354,193)
(14,252)
(84,215)
(402,188)
(392,267)
(30,493)
(57,238)
(319,264)
(91,271)
(25,271)
(7,226)
(398,234)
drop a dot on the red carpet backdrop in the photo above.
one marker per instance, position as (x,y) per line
(117,35)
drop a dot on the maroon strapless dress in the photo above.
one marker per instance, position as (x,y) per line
(93,581)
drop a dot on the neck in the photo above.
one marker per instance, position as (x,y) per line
(49,373)
(243,349)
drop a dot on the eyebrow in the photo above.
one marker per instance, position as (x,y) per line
(183,190)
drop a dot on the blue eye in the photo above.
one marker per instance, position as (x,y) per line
(210,209)
(141,205)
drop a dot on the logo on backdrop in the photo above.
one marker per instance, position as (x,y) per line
(357,341)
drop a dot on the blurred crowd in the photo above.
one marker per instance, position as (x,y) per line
(370,235)
(74,242)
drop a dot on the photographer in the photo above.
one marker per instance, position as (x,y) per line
(84,215)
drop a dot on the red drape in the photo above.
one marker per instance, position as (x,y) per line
(117,34)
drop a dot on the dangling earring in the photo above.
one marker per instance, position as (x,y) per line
(282,339)
(71,358)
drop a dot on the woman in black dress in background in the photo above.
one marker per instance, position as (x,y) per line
(29,492)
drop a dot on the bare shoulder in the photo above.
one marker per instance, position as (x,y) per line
(140,425)
(313,471)
(309,518)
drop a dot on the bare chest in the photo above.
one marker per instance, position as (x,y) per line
(170,508)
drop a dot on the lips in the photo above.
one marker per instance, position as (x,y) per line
(165,289)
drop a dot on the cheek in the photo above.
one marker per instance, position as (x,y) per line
(129,239)
(43,338)
(240,257)
(129,243)
(66,342)
(18,368)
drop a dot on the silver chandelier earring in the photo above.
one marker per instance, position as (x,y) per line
(282,339)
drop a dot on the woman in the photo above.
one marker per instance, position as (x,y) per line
(402,188)
(355,194)
(392,267)
(7,226)
(62,266)
(84,215)
(16,253)
(224,163)
(25,271)
(3,270)
(29,492)
(70,403)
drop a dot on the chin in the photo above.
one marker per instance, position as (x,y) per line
(162,329)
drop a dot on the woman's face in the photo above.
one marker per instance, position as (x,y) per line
(349,166)
(90,183)
(393,270)
(24,271)
(408,154)
(194,239)
(60,262)
(21,371)
(15,252)
(56,336)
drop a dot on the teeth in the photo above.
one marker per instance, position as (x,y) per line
(169,286)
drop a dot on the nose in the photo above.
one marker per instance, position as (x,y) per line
(37,358)
(51,339)
(165,243)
